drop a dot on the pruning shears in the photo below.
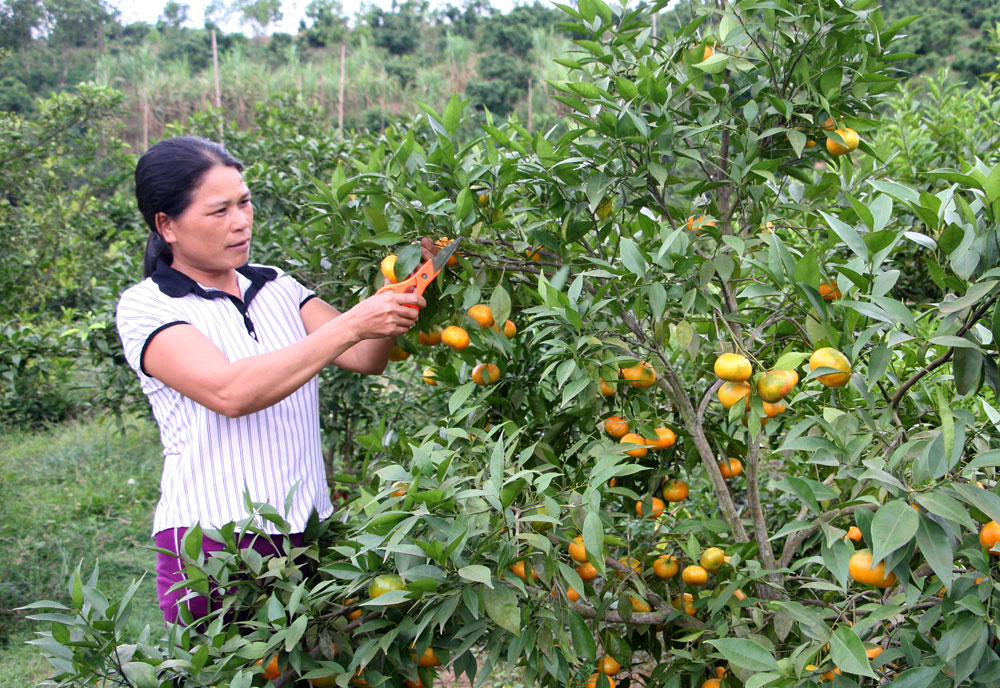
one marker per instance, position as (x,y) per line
(424,275)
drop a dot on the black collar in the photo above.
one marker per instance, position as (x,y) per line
(176,284)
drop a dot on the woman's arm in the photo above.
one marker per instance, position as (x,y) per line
(186,360)
(369,356)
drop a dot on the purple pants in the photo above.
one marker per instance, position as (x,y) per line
(170,568)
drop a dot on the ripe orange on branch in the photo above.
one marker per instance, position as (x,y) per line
(731,392)
(428,659)
(675,491)
(694,575)
(829,291)
(730,468)
(828,357)
(388,267)
(850,138)
(733,368)
(587,572)
(656,507)
(861,569)
(684,603)
(989,536)
(430,376)
(775,385)
(609,665)
(599,680)
(485,374)
(452,260)
(712,559)
(482,314)
(630,562)
(640,376)
(432,338)
(666,566)
(633,438)
(616,426)
(577,550)
(665,439)
(455,337)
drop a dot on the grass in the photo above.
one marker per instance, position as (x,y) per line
(73,494)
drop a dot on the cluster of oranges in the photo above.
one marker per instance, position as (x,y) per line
(458,338)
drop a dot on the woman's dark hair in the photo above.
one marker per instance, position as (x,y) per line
(166,177)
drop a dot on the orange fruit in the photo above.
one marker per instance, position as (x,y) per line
(639,605)
(739,594)
(775,385)
(587,572)
(656,510)
(388,266)
(697,225)
(399,489)
(398,353)
(860,568)
(430,376)
(519,571)
(711,683)
(630,562)
(387,582)
(828,676)
(684,603)
(730,468)
(771,410)
(356,614)
(731,392)
(599,680)
(328,681)
(712,559)
(640,376)
(577,551)
(989,535)
(606,389)
(665,438)
(616,426)
(720,672)
(829,291)
(853,533)
(612,482)
(432,338)
(452,260)
(485,374)
(609,665)
(455,337)
(675,490)
(482,314)
(571,594)
(828,357)
(829,124)
(850,138)
(810,143)
(666,566)
(873,652)
(632,438)
(428,659)
(694,575)
(733,368)
(509,329)
(272,670)
(709,51)
(534,254)
(410,683)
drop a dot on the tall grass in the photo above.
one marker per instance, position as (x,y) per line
(72,494)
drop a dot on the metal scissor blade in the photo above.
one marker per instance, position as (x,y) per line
(441,259)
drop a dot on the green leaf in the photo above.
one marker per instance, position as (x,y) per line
(583,639)
(945,507)
(452,116)
(790,360)
(593,539)
(894,526)
(747,654)
(501,606)
(632,257)
(477,573)
(626,88)
(967,367)
(971,297)
(937,549)
(800,489)
(984,500)
(713,65)
(848,652)
(500,305)
(460,395)
(848,235)
(960,638)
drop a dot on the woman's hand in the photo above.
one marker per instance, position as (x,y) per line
(383,315)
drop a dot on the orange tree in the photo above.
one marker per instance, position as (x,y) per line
(689,208)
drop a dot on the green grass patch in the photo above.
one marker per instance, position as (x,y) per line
(74,494)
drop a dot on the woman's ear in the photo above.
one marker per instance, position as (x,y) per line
(164,226)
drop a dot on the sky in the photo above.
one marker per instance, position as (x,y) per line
(292,11)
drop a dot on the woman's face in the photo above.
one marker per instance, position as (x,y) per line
(213,232)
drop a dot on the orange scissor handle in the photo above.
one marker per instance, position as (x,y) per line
(415,284)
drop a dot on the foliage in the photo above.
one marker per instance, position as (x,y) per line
(581,236)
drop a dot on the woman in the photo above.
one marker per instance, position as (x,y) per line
(228,355)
